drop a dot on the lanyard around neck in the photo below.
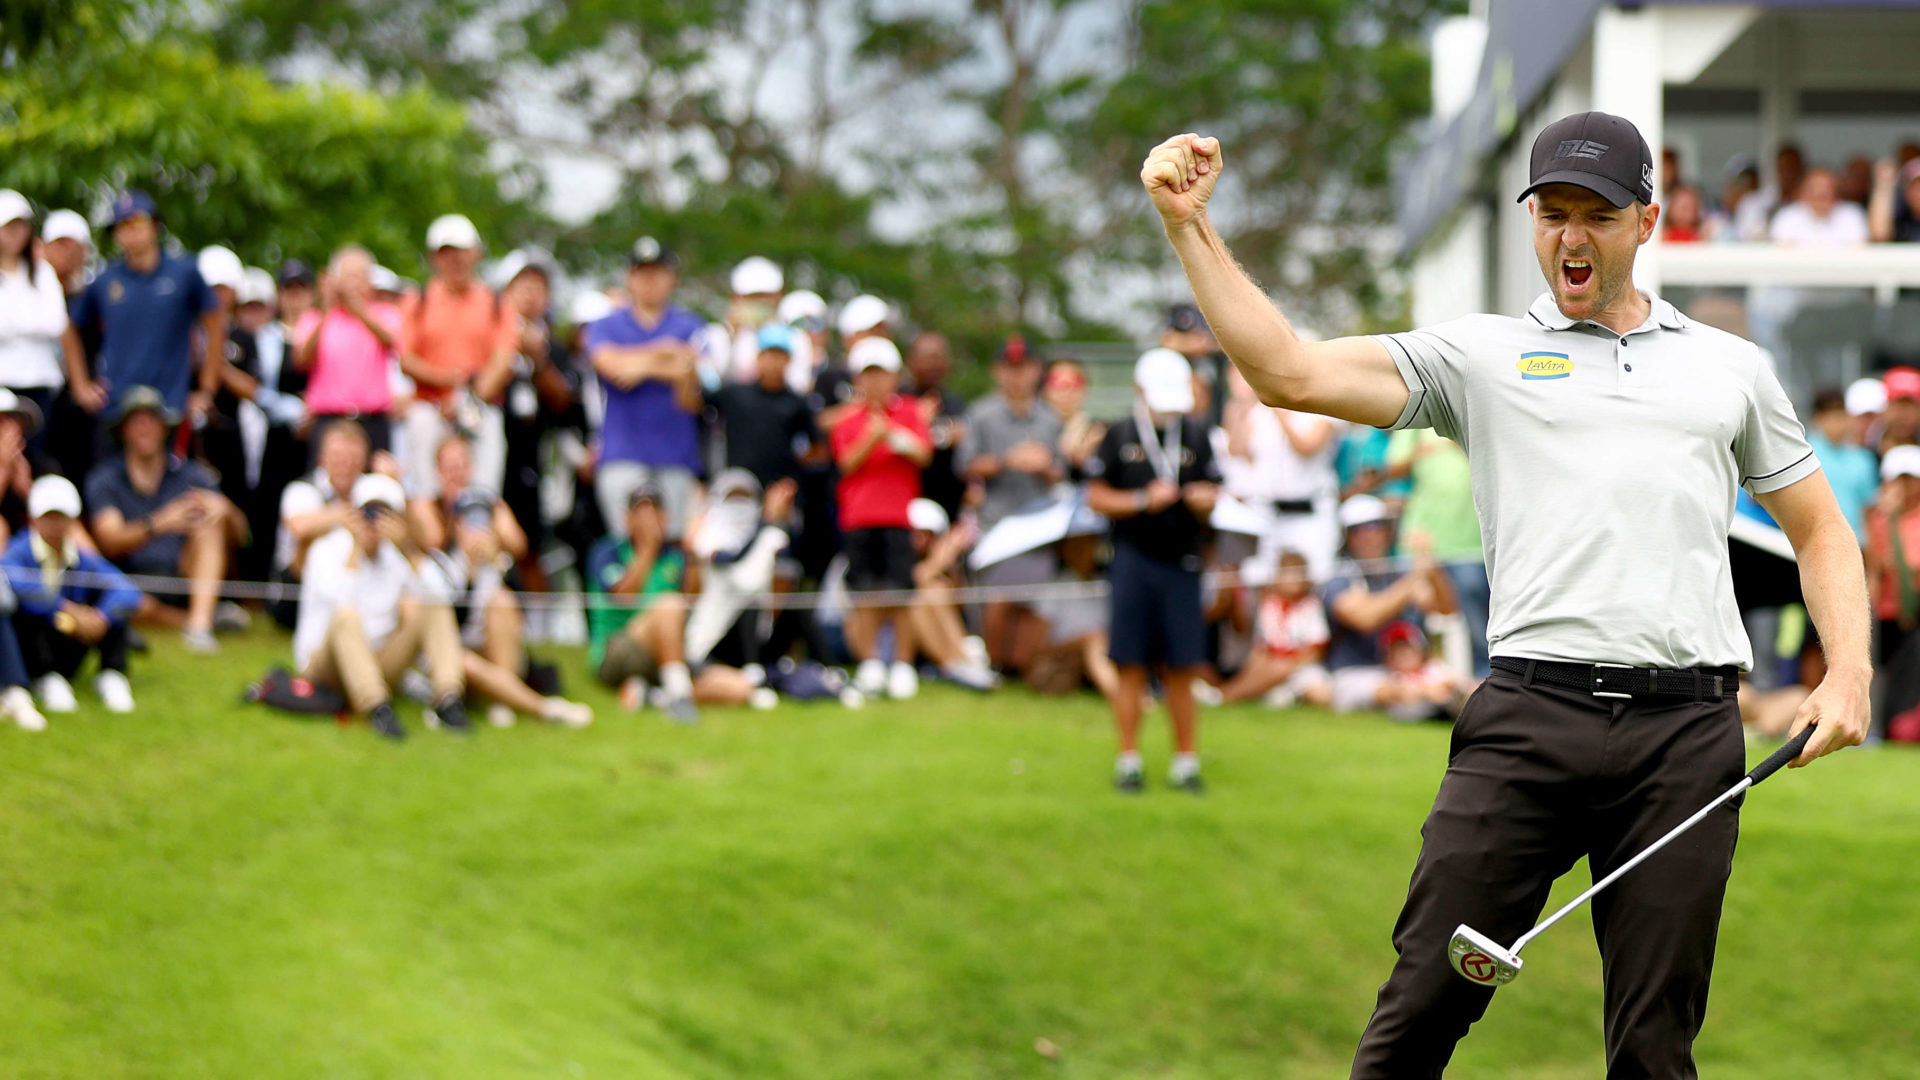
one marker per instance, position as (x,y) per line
(1164,455)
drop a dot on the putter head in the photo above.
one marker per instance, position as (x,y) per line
(1479,959)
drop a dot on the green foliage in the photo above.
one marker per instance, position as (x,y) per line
(918,890)
(235,158)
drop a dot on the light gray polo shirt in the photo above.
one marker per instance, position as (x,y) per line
(1604,471)
(994,428)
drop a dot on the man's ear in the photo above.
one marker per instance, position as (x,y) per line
(1649,215)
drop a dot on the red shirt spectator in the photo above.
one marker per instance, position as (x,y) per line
(875,494)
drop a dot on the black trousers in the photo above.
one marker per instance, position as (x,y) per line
(1537,778)
(46,649)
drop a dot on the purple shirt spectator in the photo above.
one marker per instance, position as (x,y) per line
(644,424)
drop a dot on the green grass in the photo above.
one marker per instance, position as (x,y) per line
(922,890)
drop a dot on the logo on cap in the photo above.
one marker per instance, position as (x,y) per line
(1580,148)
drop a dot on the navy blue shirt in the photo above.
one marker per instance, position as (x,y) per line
(1350,648)
(146,322)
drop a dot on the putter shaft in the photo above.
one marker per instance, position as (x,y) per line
(1745,783)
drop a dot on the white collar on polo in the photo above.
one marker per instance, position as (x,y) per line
(1664,315)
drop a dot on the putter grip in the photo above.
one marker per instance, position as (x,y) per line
(1779,758)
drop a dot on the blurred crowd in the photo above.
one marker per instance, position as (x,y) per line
(1800,204)
(786,499)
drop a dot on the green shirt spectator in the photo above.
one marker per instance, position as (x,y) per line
(1440,496)
(606,564)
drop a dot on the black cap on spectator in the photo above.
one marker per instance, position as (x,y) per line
(1185,319)
(295,273)
(650,252)
(143,399)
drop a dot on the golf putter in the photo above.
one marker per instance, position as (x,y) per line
(1480,959)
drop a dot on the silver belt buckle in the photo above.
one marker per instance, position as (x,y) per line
(1597,692)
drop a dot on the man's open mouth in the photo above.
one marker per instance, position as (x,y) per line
(1576,273)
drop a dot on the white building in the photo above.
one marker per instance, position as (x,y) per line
(1710,81)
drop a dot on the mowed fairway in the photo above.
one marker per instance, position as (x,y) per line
(911,891)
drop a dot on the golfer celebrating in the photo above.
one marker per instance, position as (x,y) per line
(1606,433)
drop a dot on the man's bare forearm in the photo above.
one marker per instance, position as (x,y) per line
(1834,583)
(1252,331)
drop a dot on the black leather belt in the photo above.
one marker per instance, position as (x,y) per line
(1293,506)
(1624,681)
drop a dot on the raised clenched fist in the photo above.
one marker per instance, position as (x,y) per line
(1179,176)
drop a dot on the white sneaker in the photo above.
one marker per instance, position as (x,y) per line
(201,642)
(1205,693)
(55,693)
(972,676)
(573,714)
(114,691)
(763,698)
(870,678)
(500,716)
(975,650)
(902,681)
(18,704)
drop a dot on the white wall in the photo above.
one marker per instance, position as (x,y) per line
(1449,279)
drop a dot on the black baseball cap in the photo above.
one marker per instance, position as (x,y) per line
(650,252)
(1597,151)
(293,272)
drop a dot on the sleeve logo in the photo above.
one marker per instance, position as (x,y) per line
(1544,365)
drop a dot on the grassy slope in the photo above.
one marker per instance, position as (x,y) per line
(908,891)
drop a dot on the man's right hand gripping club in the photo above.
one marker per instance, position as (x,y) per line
(1351,378)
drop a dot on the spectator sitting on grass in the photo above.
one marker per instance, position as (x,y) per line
(69,602)
(638,634)
(738,545)
(322,501)
(154,514)
(1291,640)
(880,445)
(1419,686)
(473,540)
(1364,596)
(939,633)
(365,617)
(1064,638)
(19,420)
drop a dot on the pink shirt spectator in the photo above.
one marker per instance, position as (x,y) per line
(349,375)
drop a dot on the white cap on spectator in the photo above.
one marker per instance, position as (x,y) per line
(757,276)
(927,516)
(863,312)
(256,287)
(519,262)
(66,225)
(873,352)
(1900,461)
(14,207)
(53,495)
(1866,397)
(378,488)
(735,481)
(801,304)
(220,266)
(590,307)
(383,279)
(21,409)
(1165,380)
(1363,510)
(453,231)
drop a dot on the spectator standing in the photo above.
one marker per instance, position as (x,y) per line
(1012,450)
(880,445)
(346,349)
(68,244)
(862,317)
(271,420)
(69,603)
(645,357)
(1065,391)
(219,436)
(1851,468)
(1893,552)
(1156,478)
(1439,517)
(456,344)
(157,515)
(33,311)
(1753,218)
(544,390)
(768,428)
(929,361)
(731,349)
(1900,420)
(1285,472)
(806,313)
(145,308)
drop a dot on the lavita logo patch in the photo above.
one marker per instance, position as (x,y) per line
(1544,365)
